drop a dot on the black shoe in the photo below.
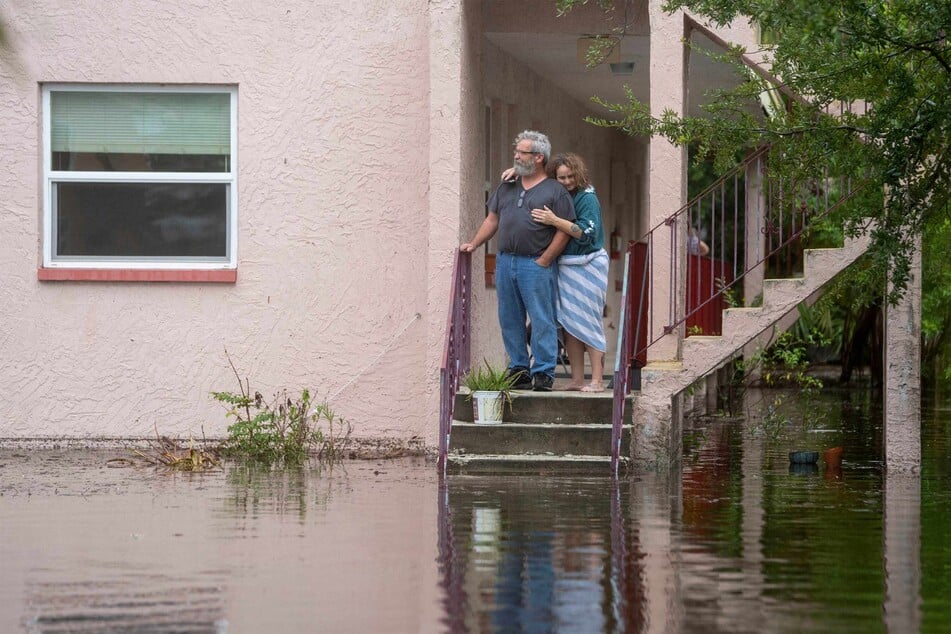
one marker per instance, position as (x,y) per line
(543,383)
(523,380)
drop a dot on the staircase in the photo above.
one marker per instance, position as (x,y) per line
(573,432)
(542,433)
(570,432)
(656,407)
(702,355)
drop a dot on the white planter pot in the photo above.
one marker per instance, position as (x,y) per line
(487,407)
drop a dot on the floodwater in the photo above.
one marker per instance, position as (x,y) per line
(737,540)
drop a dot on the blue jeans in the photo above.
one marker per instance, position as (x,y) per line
(527,289)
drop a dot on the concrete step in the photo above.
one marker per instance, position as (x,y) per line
(776,292)
(543,432)
(530,464)
(702,355)
(550,408)
(542,439)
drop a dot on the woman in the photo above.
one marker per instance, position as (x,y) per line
(582,272)
(695,246)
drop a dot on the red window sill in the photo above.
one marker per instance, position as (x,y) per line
(225,276)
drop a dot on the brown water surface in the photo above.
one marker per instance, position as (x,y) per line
(737,540)
(87,548)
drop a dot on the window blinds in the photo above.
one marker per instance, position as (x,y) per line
(140,122)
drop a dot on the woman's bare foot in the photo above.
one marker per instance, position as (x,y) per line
(593,387)
(574,387)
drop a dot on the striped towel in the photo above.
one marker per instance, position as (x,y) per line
(582,290)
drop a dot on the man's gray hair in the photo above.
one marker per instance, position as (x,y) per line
(540,143)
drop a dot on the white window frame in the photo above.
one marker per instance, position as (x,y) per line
(50,177)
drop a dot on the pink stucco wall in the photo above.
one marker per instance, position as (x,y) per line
(334,287)
(360,169)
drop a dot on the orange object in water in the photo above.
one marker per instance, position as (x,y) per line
(833,457)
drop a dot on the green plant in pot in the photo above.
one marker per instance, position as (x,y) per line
(490,388)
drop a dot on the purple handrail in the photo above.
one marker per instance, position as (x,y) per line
(456,352)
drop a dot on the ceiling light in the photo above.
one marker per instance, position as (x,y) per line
(622,68)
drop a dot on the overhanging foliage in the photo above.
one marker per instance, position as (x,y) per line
(874,79)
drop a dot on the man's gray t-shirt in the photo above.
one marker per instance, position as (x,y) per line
(518,233)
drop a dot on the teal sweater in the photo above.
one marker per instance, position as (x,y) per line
(588,217)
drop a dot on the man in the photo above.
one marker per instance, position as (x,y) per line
(525,265)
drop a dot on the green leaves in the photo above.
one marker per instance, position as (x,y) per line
(285,429)
(873,77)
(487,377)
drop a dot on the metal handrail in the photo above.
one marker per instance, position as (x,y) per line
(782,212)
(783,219)
(622,372)
(457,349)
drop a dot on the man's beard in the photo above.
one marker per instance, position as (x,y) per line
(523,169)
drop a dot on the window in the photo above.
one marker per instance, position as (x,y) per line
(139,177)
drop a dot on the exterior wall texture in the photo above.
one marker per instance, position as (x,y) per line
(333,289)
(360,167)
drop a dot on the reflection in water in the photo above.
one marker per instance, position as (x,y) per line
(531,555)
(258,489)
(737,542)
(902,540)
(803,468)
(745,541)
(126,604)
(90,549)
